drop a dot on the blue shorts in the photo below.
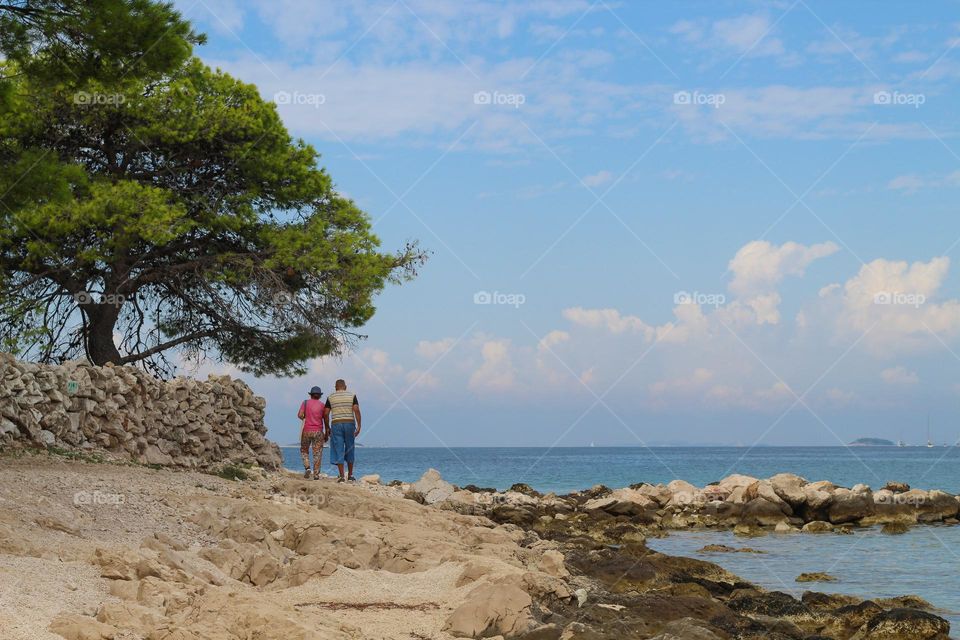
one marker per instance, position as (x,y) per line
(341,442)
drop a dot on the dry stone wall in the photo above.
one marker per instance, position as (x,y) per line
(132,415)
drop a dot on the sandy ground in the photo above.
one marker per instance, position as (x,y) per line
(93,551)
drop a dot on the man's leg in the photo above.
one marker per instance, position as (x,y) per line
(348,448)
(337,447)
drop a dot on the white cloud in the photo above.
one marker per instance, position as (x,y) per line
(598,179)
(609,319)
(496,372)
(433,350)
(899,375)
(893,306)
(840,397)
(759,266)
(910,183)
(749,34)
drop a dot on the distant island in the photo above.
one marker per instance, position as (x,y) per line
(872,442)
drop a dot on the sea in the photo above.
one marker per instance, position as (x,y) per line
(923,562)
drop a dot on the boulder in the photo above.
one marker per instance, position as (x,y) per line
(817,526)
(492,610)
(432,487)
(657,492)
(737,480)
(850,506)
(682,493)
(897,624)
(897,487)
(763,512)
(626,502)
(789,487)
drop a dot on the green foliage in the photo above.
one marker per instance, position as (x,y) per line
(232,472)
(78,456)
(177,212)
(76,40)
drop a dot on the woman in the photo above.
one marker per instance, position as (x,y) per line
(313,432)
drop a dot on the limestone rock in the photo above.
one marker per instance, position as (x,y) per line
(432,487)
(491,610)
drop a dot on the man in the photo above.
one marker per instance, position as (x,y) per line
(316,429)
(344,415)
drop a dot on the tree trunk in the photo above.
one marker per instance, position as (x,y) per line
(100,346)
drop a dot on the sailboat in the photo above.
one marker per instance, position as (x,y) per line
(929,441)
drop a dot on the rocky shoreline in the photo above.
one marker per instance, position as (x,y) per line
(784,503)
(180,555)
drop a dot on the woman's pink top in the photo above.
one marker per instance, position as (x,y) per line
(313,415)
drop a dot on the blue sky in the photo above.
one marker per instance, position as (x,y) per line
(702,222)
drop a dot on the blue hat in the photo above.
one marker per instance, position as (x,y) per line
(315,391)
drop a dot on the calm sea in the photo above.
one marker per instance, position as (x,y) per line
(564,469)
(924,562)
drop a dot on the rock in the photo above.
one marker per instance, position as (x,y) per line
(722,548)
(785,527)
(658,492)
(628,502)
(850,506)
(890,507)
(47,438)
(682,488)
(373,478)
(895,528)
(897,624)
(491,610)
(789,487)
(686,629)
(524,488)
(763,512)
(748,530)
(897,487)
(816,498)
(76,627)
(737,480)
(552,564)
(581,595)
(817,526)
(815,577)
(432,487)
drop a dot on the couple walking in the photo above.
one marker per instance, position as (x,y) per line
(336,420)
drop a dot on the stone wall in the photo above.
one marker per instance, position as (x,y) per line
(132,415)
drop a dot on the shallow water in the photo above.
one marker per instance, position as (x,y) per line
(925,562)
(569,469)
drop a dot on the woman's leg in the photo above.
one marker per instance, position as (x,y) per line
(305,453)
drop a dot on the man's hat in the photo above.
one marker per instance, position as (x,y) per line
(315,391)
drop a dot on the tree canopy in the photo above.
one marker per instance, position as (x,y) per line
(101,39)
(149,211)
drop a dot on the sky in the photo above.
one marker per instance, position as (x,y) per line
(649,223)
